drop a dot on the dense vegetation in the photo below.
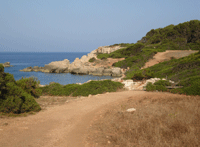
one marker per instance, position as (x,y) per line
(182,36)
(16,97)
(185,71)
(93,87)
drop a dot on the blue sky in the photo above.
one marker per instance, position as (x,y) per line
(84,25)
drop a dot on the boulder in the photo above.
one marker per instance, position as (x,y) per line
(57,66)
(116,72)
(98,72)
(61,70)
(28,69)
(75,70)
(36,68)
(84,58)
(66,70)
(92,70)
(84,71)
(107,72)
(6,64)
(49,68)
(128,84)
(76,64)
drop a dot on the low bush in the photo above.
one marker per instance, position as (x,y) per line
(30,85)
(162,83)
(97,87)
(92,59)
(191,86)
(93,87)
(143,74)
(150,87)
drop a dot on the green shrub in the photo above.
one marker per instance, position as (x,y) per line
(70,88)
(159,85)
(13,98)
(30,85)
(1,68)
(150,87)
(138,76)
(161,88)
(93,87)
(162,83)
(53,89)
(143,74)
(97,87)
(92,59)
(193,89)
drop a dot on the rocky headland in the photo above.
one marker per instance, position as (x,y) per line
(84,66)
(6,64)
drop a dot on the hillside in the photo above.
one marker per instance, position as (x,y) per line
(184,36)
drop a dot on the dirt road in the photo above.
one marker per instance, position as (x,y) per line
(62,126)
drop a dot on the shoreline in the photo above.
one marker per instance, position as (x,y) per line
(84,66)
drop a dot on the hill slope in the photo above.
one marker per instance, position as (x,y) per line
(183,36)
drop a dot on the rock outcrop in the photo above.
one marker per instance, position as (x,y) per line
(107,49)
(6,64)
(80,66)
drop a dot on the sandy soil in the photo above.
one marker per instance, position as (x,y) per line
(167,55)
(63,125)
(59,125)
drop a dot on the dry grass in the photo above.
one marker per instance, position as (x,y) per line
(158,121)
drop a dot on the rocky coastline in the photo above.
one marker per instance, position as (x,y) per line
(82,66)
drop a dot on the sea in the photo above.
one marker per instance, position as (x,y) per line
(21,60)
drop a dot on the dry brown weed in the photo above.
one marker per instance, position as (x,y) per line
(164,121)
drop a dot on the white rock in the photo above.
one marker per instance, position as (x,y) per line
(131,110)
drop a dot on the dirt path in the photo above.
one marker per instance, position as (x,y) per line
(167,55)
(61,125)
